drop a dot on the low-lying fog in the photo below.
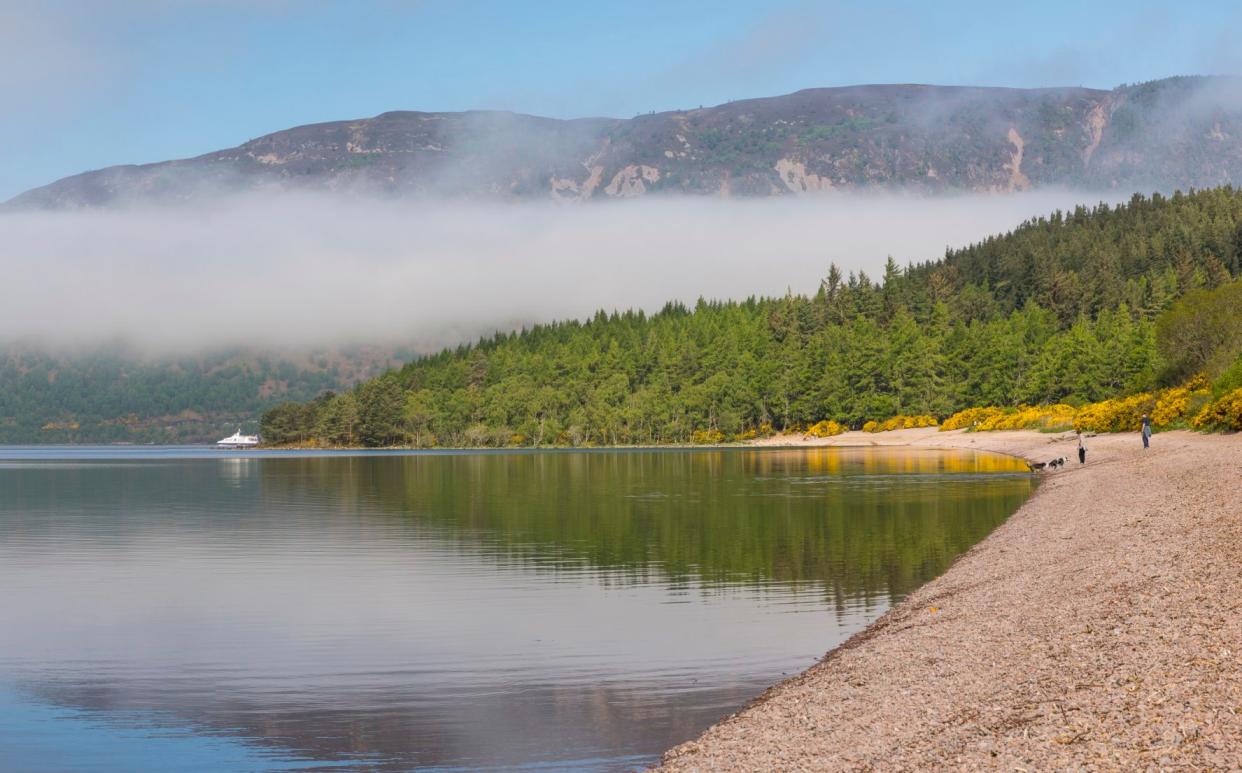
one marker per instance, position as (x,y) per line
(302,271)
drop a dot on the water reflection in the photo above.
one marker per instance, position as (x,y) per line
(858,522)
(585,610)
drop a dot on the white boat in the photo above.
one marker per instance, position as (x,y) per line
(238,440)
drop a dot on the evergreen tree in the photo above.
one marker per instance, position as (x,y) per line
(1066,308)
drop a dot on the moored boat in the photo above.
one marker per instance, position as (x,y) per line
(238,440)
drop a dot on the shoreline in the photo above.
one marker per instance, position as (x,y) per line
(1096,627)
(852,438)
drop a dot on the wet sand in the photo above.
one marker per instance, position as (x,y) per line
(1100,627)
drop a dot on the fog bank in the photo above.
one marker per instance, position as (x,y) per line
(300,271)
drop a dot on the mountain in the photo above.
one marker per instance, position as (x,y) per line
(1169,134)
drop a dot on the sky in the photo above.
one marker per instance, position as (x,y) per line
(88,83)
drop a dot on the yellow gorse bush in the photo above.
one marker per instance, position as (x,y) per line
(1171,405)
(1198,383)
(825,429)
(1125,414)
(970,417)
(900,422)
(706,437)
(1022,417)
(1224,413)
(1122,414)
(1030,417)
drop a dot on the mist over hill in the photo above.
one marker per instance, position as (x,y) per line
(1162,135)
(1075,308)
(114,392)
(247,277)
(177,323)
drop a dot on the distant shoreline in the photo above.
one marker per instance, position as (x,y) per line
(855,438)
(924,438)
(1097,627)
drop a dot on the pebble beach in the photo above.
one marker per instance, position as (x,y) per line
(1100,627)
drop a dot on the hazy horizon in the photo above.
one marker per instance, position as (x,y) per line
(302,270)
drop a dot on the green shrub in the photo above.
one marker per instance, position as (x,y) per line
(1224,413)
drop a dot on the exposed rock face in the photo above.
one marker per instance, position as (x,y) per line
(795,177)
(1017,180)
(1175,133)
(630,181)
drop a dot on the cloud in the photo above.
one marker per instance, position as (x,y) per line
(316,270)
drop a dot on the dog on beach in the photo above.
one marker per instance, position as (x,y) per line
(1050,465)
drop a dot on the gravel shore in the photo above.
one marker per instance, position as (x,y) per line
(1098,628)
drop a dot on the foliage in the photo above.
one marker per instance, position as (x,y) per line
(826,428)
(1165,408)
(338,421)
(704,437)
(1122,414)
(1223,413)
(115,394)
(970,418)
(1202,332)
(1173,405)
(1041,417)
(1230,380)
(380,404)
(900,422)
(1061,312)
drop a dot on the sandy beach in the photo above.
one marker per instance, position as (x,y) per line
(1100,627)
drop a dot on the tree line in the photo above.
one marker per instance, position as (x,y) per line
(117,393)
(1072,308)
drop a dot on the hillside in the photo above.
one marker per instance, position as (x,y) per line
(114,394)
(1065,309)
(1171,134)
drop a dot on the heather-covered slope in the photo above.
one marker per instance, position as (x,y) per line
(1163,135)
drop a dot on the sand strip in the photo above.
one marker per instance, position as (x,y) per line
(1099,627)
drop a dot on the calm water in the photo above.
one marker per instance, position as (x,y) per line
(173,609)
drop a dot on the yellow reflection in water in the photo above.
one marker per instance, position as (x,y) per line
(885,461)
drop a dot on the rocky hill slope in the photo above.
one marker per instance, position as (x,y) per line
(1161,135)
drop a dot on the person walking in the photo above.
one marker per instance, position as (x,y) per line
(1146,431)
(1082,447)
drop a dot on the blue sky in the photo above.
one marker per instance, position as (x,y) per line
(88,83)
